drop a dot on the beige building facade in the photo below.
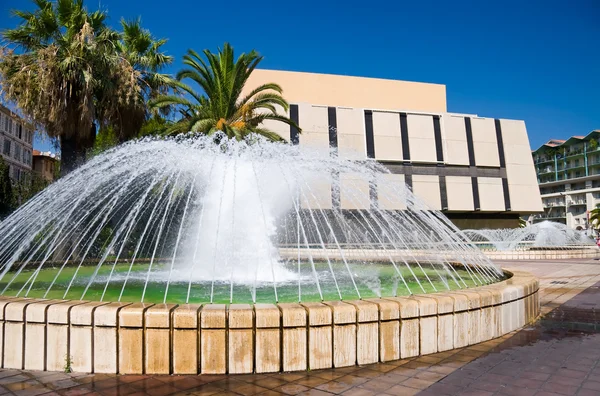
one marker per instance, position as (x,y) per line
(477,170)
(16,143)
(45,164)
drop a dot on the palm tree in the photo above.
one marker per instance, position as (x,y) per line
(595,217)
(62,70)
(142,55)
(222,107)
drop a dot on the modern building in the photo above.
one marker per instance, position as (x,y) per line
(45,164)
(477,170)
(568,173)
(16,139)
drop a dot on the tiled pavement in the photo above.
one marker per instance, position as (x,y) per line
(558,356)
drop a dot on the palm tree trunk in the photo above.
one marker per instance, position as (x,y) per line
(73,150)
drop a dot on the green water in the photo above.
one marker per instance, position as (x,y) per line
(372,280)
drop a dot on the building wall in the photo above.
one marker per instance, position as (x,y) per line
(569,179)
(16,139)
(454,162)
(44,166)
(348,91)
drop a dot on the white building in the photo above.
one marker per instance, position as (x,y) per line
(16,143)
(568,174)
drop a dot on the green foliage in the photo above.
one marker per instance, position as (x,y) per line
(222,107)
(68,72)
(68,364)
(593,144)
(6,192)
(595,217)
(156,125)
(106,138)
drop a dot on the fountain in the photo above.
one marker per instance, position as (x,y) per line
(539,239)
(182,227)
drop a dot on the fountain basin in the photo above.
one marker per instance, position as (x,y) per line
(146,338)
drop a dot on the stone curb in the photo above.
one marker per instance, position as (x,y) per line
(139,338)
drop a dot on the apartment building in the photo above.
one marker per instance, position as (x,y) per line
(45,164)
(477,170)
(568,173)
(16,143)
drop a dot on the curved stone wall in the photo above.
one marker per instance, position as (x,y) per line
(544,254)
(136,338)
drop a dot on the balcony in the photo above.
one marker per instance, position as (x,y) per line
(554,205)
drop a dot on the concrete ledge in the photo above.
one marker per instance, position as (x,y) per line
(588,252)
(142,338)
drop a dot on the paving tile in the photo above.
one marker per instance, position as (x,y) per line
(334,387)
(291,389)
(402,390)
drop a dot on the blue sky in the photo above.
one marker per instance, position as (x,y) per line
(532,60)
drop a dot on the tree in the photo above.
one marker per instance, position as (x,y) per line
(63,70)
(594,218)
(141,53)
(6,193)
(222,107)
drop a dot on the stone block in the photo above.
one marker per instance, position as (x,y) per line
(428,329)
(367,333)
(57,335)
(213,316)
(14,328)
(13,345)
(344,345)
(320,351)
(105,337)
(35,334)
(444,302)
(80,339)
(268,338)
(186,339)
(367,343)
(293,315)
(388,310)
(267,316)
(83,314)
(485,297)
(343,313)
(159,316)
(131,344)
(445,332)
(461,329)
(366,311)
(81,336)
(241,316)
(409,338)
(185,351)
(268,347)
(186,316)
(131,338)
(158,339)
(213,347)
(241,351)
(427,305)
(294,349)
(158,351)
(409,308)
(389,336)
(133,315)
(318,314)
